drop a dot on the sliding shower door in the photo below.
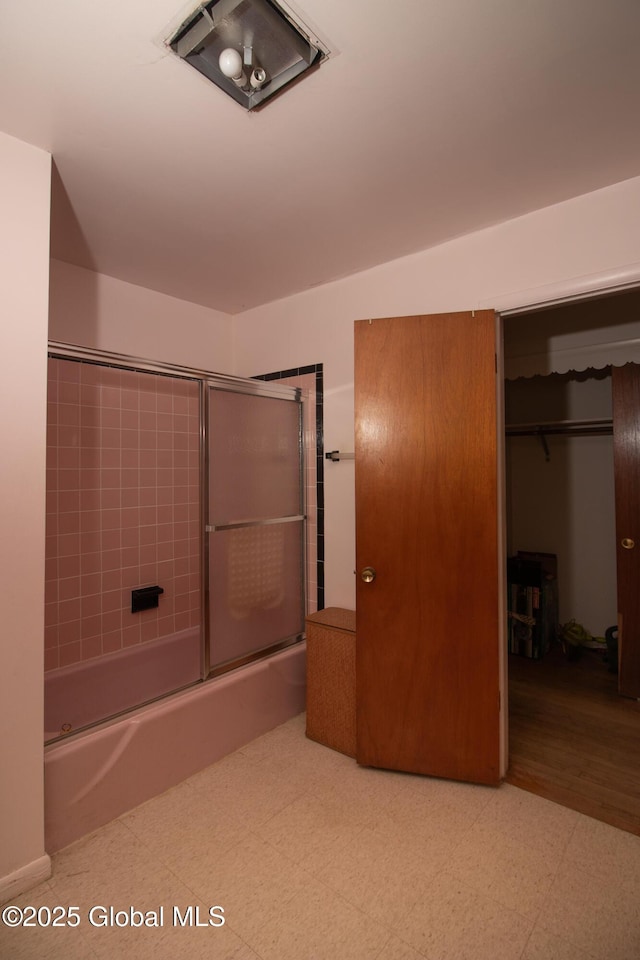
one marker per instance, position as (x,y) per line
(255,523)
(123,547)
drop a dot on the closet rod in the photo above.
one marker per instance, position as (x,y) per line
(601,426)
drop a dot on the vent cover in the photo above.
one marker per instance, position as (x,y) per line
(251,49)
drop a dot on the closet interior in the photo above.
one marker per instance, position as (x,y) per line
(572,735)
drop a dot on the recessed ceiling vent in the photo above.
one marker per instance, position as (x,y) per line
(251,49)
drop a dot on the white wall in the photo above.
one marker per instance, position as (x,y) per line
(25,179)
(518,260)
(92,310)
(566,506)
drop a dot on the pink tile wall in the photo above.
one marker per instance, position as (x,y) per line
(123,508)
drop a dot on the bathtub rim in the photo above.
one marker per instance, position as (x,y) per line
(189,690)
(99,774)
(116,657)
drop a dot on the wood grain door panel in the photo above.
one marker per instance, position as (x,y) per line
(626,460)
(426,520)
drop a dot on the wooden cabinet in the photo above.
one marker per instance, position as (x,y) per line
(331,679)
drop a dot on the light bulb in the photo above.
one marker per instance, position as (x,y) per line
(230,63)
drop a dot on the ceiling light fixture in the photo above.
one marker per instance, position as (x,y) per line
(251,49)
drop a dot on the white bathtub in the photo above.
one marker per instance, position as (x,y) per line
(98,774)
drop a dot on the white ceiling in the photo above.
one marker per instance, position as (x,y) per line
(434,119)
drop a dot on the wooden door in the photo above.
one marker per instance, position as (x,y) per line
(626,460)
(428,626)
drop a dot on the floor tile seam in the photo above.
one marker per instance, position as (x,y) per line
(391,778)
(551,864)
(296,863)
(276,812)
(467,928)
(92,952)
(356,827)
(248,945)
(206,795)
(148,804)
(399,927)
(560,807)
(582,817)
(210,775)
(275,749)
(633,885)
(159,859)
(567,857)
(526,944)
(327,800)
(531,917)
(87,836)
(570,832)
(28,893)
(335,844)
(87,943)
(279,813)
(380,952)
(555,859)
(413,850)
(284,856)
(341,897)
(443,806)
(203,802)
(76,933)
(395,927)
(54,880)
(504,907)
(373,823)
(540,925)
(418,835)
(462,837)
(365,918)
(394,936)
(347,793)
(190,887)
(415,788)
(597,879)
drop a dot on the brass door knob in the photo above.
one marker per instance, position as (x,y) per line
(368,574)
(628,543)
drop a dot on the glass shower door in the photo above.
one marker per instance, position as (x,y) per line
(255,523)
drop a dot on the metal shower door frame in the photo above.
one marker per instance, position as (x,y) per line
(268,390)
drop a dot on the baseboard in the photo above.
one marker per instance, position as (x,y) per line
(25,878)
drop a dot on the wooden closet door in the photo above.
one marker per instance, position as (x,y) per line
(428,637)
(626,461)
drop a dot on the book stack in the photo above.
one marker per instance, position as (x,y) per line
(532,603)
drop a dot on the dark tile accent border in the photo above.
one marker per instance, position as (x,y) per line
(298,372)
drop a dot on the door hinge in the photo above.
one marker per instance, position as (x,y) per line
(495,361)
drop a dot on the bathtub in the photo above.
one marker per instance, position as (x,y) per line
(86,692)
(97,774)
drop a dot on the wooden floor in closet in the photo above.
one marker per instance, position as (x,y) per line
(572,739)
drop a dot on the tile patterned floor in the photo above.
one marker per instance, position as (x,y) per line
(315,858)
